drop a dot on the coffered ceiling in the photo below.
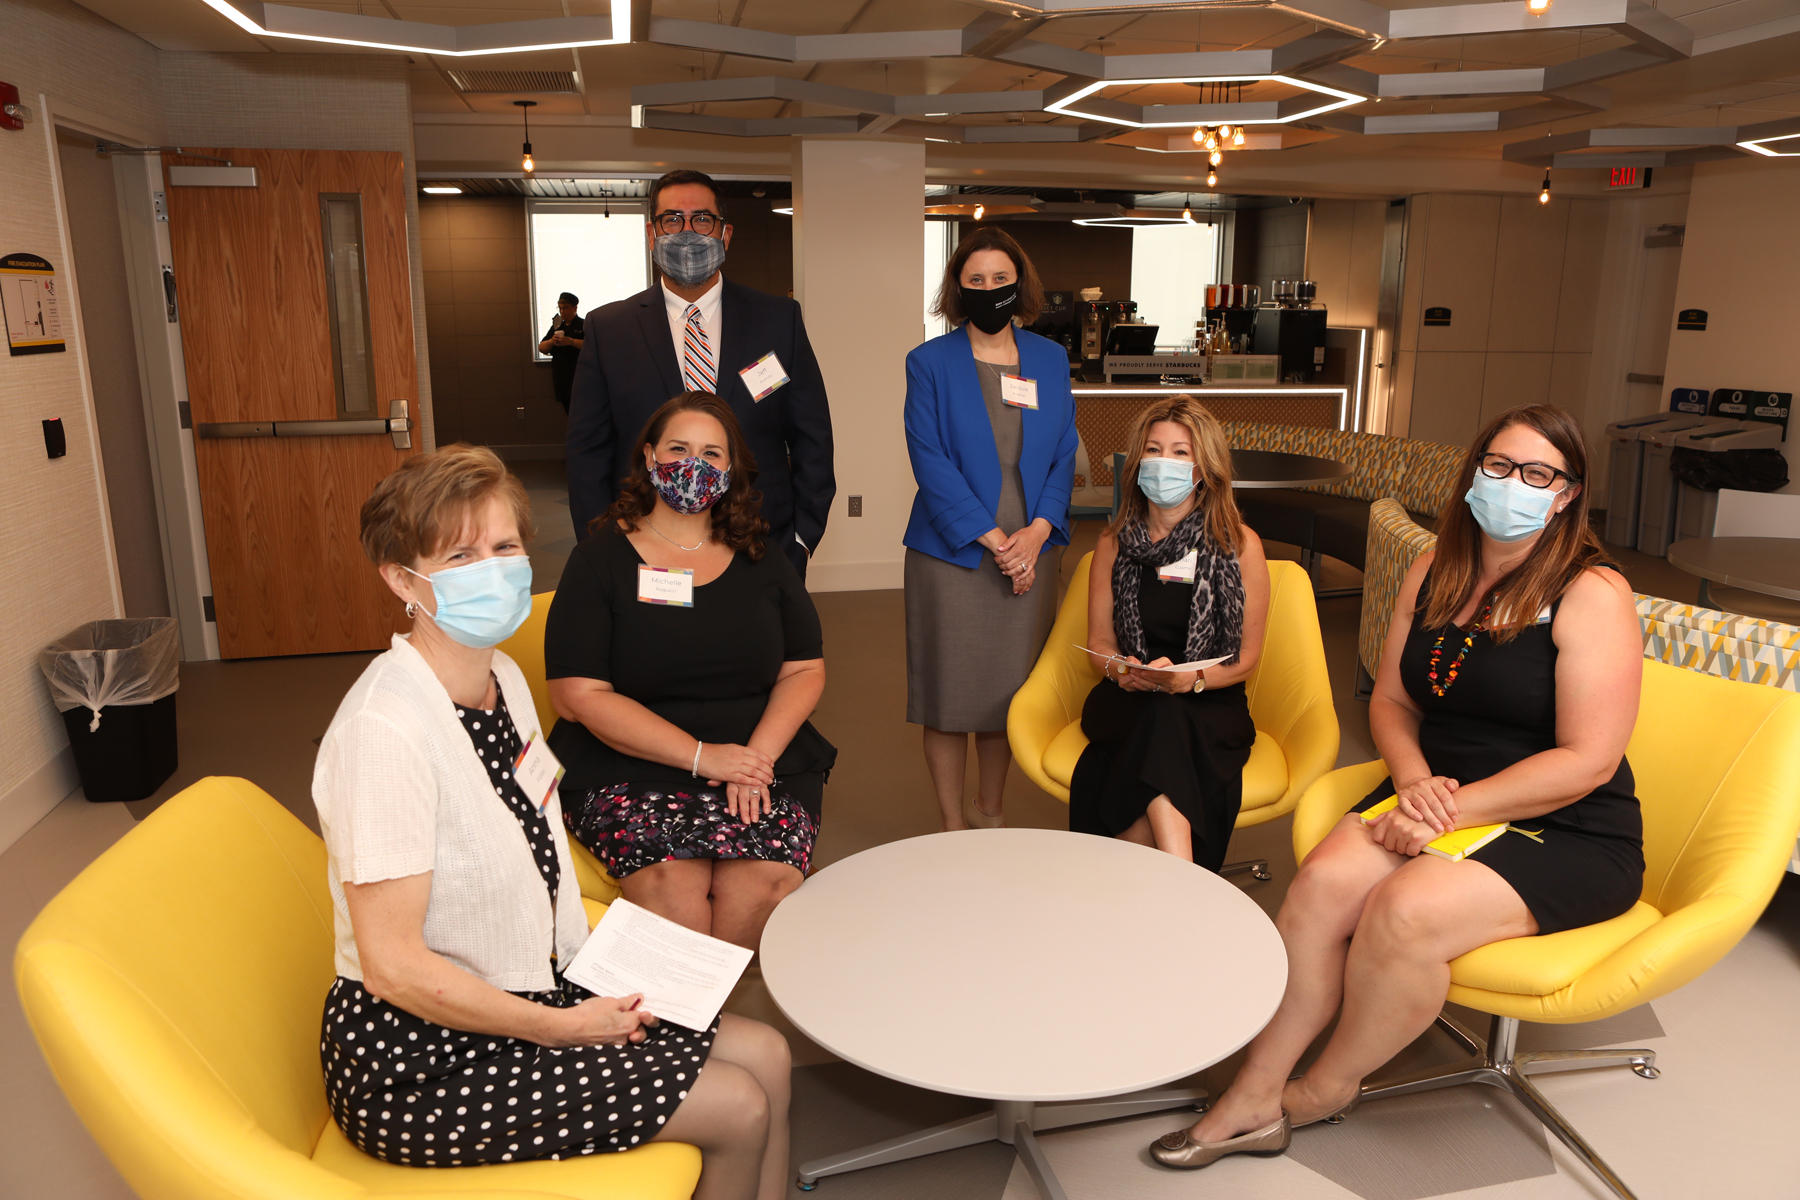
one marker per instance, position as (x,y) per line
(1417,77)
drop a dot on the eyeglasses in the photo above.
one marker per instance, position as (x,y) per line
(1534,474)
(701,222)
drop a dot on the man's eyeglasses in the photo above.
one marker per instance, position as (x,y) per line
(1535,474)
(701,222)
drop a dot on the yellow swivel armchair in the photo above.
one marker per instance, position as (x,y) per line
(526,648)
(1289,694)
(176,988)
(1716,763)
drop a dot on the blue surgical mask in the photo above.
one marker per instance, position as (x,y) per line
(481,604)
(1166,481)
(1508,510)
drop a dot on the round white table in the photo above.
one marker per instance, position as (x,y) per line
(1057,974)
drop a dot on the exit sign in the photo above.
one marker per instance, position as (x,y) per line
(1628,177)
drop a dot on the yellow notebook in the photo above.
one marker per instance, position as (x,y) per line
(1456,845)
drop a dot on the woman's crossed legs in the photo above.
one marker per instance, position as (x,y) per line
(737,1114)
(1409,918)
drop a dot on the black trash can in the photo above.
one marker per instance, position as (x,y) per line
(114,682)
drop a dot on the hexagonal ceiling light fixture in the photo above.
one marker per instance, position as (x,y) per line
(1773,139)
(1081,100)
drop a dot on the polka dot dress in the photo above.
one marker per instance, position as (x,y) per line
(408,1091)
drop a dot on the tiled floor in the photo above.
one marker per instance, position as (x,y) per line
(1718,1123)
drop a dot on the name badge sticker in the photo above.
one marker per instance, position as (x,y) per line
(537,771)
(1019,392)
(763,376)
(1181,570)
(666,585)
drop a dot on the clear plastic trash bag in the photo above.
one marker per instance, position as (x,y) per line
(113,662)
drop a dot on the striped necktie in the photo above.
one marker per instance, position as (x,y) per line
(697,373)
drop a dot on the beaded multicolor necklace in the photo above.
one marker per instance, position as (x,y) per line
(1438,688)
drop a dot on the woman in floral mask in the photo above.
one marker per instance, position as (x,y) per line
(684,661)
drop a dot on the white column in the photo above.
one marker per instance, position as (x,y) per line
(858,242)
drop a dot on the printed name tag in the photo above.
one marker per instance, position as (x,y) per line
(537,771)
(764,376)
(1181,570)
(666,585)
(1018,392)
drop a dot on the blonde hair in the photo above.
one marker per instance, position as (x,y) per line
(432,498)
(1212,454)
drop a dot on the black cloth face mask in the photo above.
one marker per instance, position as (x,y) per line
(989,310)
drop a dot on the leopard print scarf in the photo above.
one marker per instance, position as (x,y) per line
(1216,621)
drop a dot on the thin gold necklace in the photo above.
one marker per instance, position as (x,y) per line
(665,537)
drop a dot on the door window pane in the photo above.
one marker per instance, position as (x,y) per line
(347,301)
(596,251)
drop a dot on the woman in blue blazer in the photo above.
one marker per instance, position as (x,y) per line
(990,426)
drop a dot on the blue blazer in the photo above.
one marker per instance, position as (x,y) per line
(954,459)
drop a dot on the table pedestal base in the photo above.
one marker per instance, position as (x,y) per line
(1015,1122)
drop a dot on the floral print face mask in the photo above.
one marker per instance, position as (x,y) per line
(689,485)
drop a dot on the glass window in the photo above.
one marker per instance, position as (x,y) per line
(596,251)
(1170,268)
(347,299)
(940,244)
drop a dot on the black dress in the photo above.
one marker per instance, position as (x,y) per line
(708,670)
(1501,710)
(1190,747)
(409,1091)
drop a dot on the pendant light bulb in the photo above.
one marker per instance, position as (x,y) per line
(1537,7)
(526,163)
(1224,132)
(1237,139)
(1544,196)
(979,210)
(1199,135)
(1212,179)
(1187,210)
(1215,158)
(1212,142)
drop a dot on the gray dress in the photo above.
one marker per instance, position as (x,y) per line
(970,642)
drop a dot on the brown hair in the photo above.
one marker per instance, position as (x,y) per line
(432,498)
(1565,549)
(948,304)
(677,178)
(737,516)
(1211,453)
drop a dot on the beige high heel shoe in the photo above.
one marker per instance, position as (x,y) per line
(979,820)
(1184,1153)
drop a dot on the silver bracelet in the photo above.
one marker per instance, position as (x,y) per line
(695,769)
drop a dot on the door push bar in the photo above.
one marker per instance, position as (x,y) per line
(396,423)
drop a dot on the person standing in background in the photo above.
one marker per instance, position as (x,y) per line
(990,427)
(695,331)
(563,345)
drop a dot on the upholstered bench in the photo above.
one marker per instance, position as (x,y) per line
(1334,519)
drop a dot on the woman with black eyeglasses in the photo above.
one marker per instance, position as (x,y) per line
(1506,694)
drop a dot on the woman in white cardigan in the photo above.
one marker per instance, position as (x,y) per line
(450,1037)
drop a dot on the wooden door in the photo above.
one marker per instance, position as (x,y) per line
(257,319)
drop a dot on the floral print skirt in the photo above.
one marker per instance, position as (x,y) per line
(629,826)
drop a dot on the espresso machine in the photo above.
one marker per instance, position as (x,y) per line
(1095,319)
(1292,325)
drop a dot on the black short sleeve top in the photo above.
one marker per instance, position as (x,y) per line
(708,669)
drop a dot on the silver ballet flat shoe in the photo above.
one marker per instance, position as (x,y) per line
(1184,1153)
(1335,1116)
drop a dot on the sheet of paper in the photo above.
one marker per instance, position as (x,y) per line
(685,976)
(1193,666)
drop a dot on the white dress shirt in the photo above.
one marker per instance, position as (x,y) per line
(709,318)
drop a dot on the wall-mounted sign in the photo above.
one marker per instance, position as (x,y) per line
(1771,407)
(1689,400)
(1437,316)
(1628,177)
(28,293)
(1691,318)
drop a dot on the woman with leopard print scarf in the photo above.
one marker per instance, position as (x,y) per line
(1177,580)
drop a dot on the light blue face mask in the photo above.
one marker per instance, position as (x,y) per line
(1508,510)
(481,604)
(1166,482)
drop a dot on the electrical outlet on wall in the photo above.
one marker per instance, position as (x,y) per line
(856,506)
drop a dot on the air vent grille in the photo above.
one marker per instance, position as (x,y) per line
(514,82)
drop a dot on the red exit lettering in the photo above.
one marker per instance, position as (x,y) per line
(1624,177)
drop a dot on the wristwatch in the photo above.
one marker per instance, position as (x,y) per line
(1199,682)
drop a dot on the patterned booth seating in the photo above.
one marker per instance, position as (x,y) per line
(1335,519)
(1746,649)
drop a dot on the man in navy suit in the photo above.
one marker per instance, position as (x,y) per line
(695,331)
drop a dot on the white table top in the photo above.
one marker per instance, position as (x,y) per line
(1024,964)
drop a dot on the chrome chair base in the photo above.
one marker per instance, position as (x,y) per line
(1258,868)
(1499,1064)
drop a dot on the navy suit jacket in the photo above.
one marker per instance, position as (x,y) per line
(628,369)
(955,460)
